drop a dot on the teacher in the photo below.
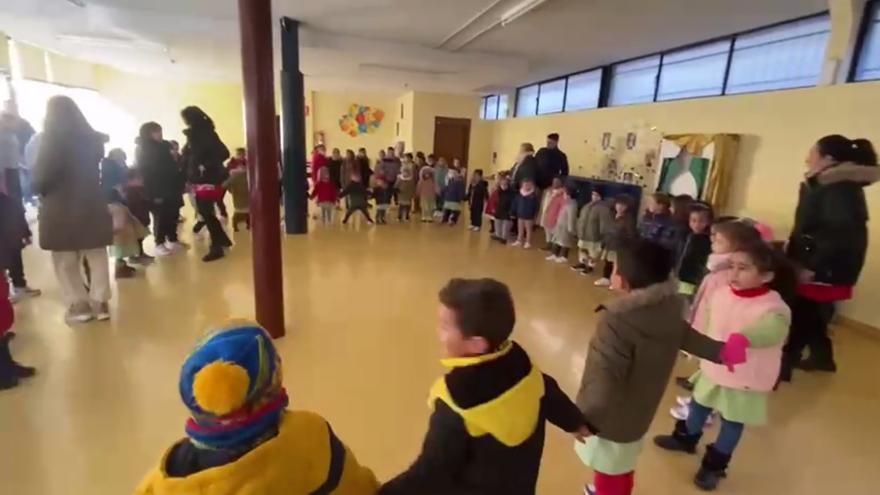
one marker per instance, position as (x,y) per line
(828,243)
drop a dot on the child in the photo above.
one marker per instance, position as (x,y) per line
(477,194)
(657,224)
(550,205)
(406,190)
(12,230)
(621,231)
(727,235)
(525,208)
(127,230)
(486,432)
(239,161)
(750,309)
(427,191)
(694,249)
(327,194)
(453,195)
(680,210)
(630,359)
(358,196)
(382,194)
(593,222)
(562,235)
(503,209)
(241,438)
(237,185)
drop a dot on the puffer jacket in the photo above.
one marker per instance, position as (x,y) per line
(830,234)
(594,221)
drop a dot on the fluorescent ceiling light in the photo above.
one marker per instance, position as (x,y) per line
(117,43)
(521,9)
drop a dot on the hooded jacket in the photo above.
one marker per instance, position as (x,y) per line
(830,234)
(486,435)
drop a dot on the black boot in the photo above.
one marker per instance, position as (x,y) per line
(8,376)
(712,470)
(213,255)
(680,440)
(20,371)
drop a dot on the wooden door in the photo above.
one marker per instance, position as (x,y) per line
(452,137)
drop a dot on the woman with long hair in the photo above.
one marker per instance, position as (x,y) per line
(828,243)
(203,158)
(163,185)
(75,223)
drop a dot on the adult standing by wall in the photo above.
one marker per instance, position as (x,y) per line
(829,242)
(552,162)
(526,166)
(75,223)
(163,186)
(203,156)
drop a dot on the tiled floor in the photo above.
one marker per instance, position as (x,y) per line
(361,350)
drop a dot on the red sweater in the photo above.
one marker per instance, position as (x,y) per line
(325,192)
(319,161)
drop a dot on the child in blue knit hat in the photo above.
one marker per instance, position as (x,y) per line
(241,438)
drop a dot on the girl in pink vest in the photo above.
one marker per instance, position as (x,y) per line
(748,309)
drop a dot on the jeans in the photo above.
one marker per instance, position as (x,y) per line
(502,228)
(165,216)
(326,213)
(219,239)
(728,436)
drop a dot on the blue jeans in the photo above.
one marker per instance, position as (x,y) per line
(728,437)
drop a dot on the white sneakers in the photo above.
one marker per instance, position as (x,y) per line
(169,248)
(551,257)
(515,244)
(602,282)
(527,246)
(17,294)
(560,259)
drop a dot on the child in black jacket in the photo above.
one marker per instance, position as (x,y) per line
(382,193)
(358,195)
(477,194)
(486,434)
(694,250)
(503,209)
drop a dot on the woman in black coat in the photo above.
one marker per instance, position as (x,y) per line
(203,157)
(163,185)
(526,167)
(828,243)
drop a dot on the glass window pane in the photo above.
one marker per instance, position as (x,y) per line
(502,106)
(492,107)
(552,96)
(694,72)
(583,91)
(869,60)
(527,101)
(483,108)
(787,56)
(633,82)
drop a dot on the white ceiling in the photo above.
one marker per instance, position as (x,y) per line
(388,44)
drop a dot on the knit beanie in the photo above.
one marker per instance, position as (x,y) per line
(231,383)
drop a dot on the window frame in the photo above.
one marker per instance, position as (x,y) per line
(861,38)
(607,69)
(484,102)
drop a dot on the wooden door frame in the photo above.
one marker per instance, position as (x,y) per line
(467,140)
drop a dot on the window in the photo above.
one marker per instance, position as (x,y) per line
(491,107)
(694,72)
(551,96)
(781,57)
(634,82)
(527,101)
(868,66)
(583,91)
(503,106)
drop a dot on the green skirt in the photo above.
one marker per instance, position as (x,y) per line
(609,457)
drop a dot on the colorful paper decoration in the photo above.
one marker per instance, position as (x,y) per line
(361,119)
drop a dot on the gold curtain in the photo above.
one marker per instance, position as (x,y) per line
(718,182)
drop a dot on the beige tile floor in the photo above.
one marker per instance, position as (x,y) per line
(361,350)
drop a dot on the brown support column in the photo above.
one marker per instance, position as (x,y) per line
(255,18)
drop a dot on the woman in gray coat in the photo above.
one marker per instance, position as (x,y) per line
(75,223)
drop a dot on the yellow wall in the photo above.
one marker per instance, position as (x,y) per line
(329,107)
(403,119)
(152,99)
(777,128)
(427,106)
